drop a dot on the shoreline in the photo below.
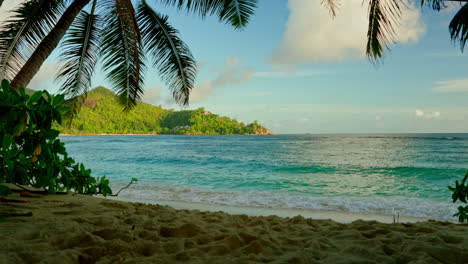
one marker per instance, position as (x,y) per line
(317,214)
(83,229)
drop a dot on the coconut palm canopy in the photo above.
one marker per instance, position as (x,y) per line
(125,35)
(128,35)
(385,14)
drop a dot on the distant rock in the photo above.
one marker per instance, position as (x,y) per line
(264,132)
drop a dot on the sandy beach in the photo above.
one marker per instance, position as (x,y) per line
(82,229)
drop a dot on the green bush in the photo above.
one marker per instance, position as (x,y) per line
(30,152)
(460,192)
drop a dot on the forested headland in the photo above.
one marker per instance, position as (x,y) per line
(101,114)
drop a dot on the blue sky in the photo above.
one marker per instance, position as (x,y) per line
(297,70)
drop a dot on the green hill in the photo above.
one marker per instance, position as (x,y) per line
(101,114)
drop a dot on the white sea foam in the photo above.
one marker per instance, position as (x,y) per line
(414,207)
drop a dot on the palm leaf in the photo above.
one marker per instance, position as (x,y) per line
(381,32)
(23,32)
(458,27)
(200,7)
(434,4)
(122,51)
(332,6)
(235,12)
(80,53)
(171,55)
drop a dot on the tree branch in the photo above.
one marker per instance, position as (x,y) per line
(130,183)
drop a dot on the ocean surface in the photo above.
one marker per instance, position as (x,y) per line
(406,174)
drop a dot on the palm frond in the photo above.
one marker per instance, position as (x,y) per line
(122,51)
(383,14)
(170,54)
(23,32)
(332,6)
(199,7)
(80,53)
(458,27)
(434,4)
(237,13)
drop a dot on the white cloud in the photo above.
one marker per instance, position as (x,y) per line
(231,72)
(312,35)
(229,63)
(427,115)
(434,115)
(225,78)
(452,86)
(232,61)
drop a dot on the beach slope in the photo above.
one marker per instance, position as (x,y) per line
(82,229)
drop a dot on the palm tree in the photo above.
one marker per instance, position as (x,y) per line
(384,14)
(120,32)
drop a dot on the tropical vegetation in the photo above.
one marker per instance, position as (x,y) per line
(460,192)
(100,114)
(385,14)
(31,153)
(122,34)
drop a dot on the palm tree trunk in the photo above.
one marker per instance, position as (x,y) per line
(47,45)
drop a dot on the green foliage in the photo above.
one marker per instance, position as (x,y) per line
(80,53)
(113,33)
(171,55)
(458,27)
(31,154)
(100,114)
(27,26)
(460,192)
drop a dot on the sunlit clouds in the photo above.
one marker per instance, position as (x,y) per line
(232,72)
(427,115)
(312,35)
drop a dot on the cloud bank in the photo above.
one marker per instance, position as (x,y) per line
(312,35)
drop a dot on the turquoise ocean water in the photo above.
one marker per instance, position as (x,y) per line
(380,174)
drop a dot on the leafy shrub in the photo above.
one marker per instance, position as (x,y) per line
(30,152)
(460,192)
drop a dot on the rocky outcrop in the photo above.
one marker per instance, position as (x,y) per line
(264,132)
